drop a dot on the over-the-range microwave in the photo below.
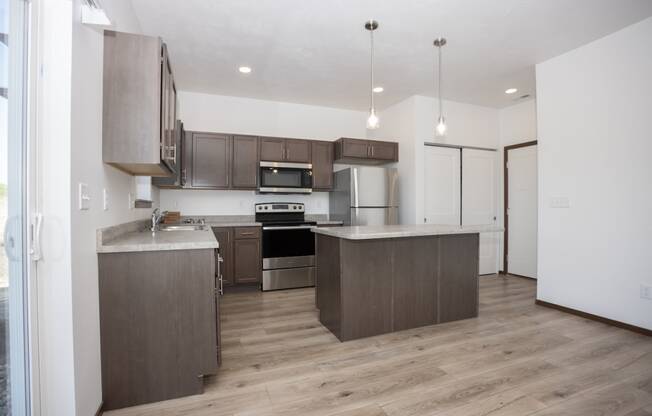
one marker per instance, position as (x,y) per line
(285,178)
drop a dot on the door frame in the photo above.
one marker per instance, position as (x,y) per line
(506,197)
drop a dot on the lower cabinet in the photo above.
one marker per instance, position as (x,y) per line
(248,267)
(159,323)
(241,251)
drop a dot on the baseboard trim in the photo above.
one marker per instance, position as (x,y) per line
(522,277)
(99,411)
(623,325)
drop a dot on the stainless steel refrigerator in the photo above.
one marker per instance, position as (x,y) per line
(365,196)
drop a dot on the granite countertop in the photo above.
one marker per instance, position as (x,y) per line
(250,221)
(370,232)
(134,237)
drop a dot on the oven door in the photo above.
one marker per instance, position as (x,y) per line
(288,247)
(278,177)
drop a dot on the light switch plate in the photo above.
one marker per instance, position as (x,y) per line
(105,199)
(84,197)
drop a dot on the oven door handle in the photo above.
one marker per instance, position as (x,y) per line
(300,227)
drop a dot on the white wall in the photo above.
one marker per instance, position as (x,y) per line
(593,110)
(215,113)
(87,167)
(517,124)
(412,121)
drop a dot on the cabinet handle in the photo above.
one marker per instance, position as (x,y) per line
(247,233)
(287,154)
(172,150)
(184,176)
(372,151)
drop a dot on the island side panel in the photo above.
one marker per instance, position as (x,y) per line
(458,277)
(148,299)
(366,267)
(327,285)
(416,266)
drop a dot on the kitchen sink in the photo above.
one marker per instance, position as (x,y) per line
(188,227)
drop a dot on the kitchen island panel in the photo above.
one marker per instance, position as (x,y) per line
(458,277)
(366,281)
(416,264)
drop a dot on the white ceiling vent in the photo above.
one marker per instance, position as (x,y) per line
(92,13)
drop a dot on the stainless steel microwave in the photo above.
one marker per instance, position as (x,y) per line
(285,178)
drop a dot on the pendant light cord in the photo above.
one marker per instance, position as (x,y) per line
(371,90)
(439,80)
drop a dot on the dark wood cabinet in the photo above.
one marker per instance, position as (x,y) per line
(272,149)
(353,148)
(276,149)
(384,151)
(211,161)
(297,151)
(224,237)
(240,249)
(178,179)
(322,154)
(139,105)
(247,263)
(359,151)
(157,324)
(244,164)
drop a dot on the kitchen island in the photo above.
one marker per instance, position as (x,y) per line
(373,280)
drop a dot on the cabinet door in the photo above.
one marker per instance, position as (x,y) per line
(383,150)
(355,148)
(211,161)
(186,153)
(322,165)
(272,149)
(248,264)
(224,237)
(165,104)
(297,151)
(244,167)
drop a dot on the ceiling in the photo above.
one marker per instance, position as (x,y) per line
(317,52)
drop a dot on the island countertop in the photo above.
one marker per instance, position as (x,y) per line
(371,232)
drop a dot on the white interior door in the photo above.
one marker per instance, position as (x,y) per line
(442,185)
(479,201)
(522,211)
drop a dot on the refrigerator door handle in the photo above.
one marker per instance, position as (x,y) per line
(356,202)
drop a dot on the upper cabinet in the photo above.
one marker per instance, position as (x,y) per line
(274,149)
(139,110)
(211,161)
(322,165)
(356,151)
(244,163)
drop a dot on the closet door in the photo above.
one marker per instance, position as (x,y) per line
(479,201)
(442,185)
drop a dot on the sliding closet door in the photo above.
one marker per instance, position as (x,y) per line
(442,185)
(479,201)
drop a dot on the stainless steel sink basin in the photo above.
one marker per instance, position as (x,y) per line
(188,227)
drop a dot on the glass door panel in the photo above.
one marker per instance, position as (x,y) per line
(14,373)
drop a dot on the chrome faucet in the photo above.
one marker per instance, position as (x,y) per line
(157,217)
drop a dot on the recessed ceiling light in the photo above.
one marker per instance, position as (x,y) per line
(378,89)
(245,69)
(510,90)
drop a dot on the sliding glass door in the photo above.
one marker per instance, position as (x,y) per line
(14,261)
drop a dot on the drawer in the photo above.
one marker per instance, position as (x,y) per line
(241,233)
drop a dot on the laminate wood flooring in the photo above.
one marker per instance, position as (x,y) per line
(515,359)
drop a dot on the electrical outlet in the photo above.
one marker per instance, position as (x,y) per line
(559,202)
(646,292)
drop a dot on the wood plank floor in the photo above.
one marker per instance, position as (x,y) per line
(516,358)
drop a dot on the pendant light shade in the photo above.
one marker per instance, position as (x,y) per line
(441,128)
(372,121)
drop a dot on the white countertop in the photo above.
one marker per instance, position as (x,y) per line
(370,232)
(160,241)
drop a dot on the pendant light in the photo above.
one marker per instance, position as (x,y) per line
(440,129)
(372,121)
